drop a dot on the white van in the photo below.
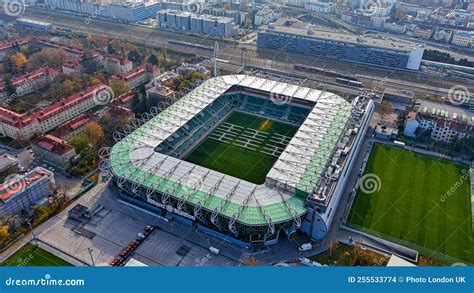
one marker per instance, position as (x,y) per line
(305,247)
(214,250)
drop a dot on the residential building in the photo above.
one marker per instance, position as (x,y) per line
(11,46)
(24,126)
(138,76)
(380,8)
(267,15)
(239,17)
(124,100)
(395,27)
(463,38)
(121,112)
(126,11)
(199,24)
(443,35)
(54,150)
(159,94)
(75,126)
(22,192)
(29,82)
(444,122)
(72,66)
(321,7)
(117,64)
(422,32)
(160,89)
(8,165)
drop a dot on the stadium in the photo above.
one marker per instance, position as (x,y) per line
(244,158)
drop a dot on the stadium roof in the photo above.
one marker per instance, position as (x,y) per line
(134,158)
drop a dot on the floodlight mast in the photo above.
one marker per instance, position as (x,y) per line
(216,53)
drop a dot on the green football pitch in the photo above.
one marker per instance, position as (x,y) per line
(243,146)
(420,201)
(30,255)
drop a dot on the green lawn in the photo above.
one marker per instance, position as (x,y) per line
(30,255)
(226,157)
(413,207)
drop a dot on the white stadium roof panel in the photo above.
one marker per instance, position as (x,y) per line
(134,158)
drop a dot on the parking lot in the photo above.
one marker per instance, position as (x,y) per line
(114,225)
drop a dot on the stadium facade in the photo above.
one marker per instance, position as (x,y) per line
(301,190)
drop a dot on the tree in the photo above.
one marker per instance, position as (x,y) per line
(164,54)
(90,65)
(153,59)
(119,87)
(4,234)
(134,56)
(401,14)
(252,262)
(139,104)
(80,143)
(111,49)
(94,132)
(76,43)
(53,58)
(9,87)
(385,108)
(19,60)
(401,121)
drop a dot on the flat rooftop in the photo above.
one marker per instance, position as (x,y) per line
(378,41)
(448,111)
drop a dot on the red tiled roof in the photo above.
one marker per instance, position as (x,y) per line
(6,191)
(22,120)
(136,71)
(75,123)
(123,99)
(121,111)
(16,42)
(53,144)
(39,73)
(120,59)
(34,75)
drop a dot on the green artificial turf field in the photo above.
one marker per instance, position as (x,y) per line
(422,202)
(243,146)
(30,255)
